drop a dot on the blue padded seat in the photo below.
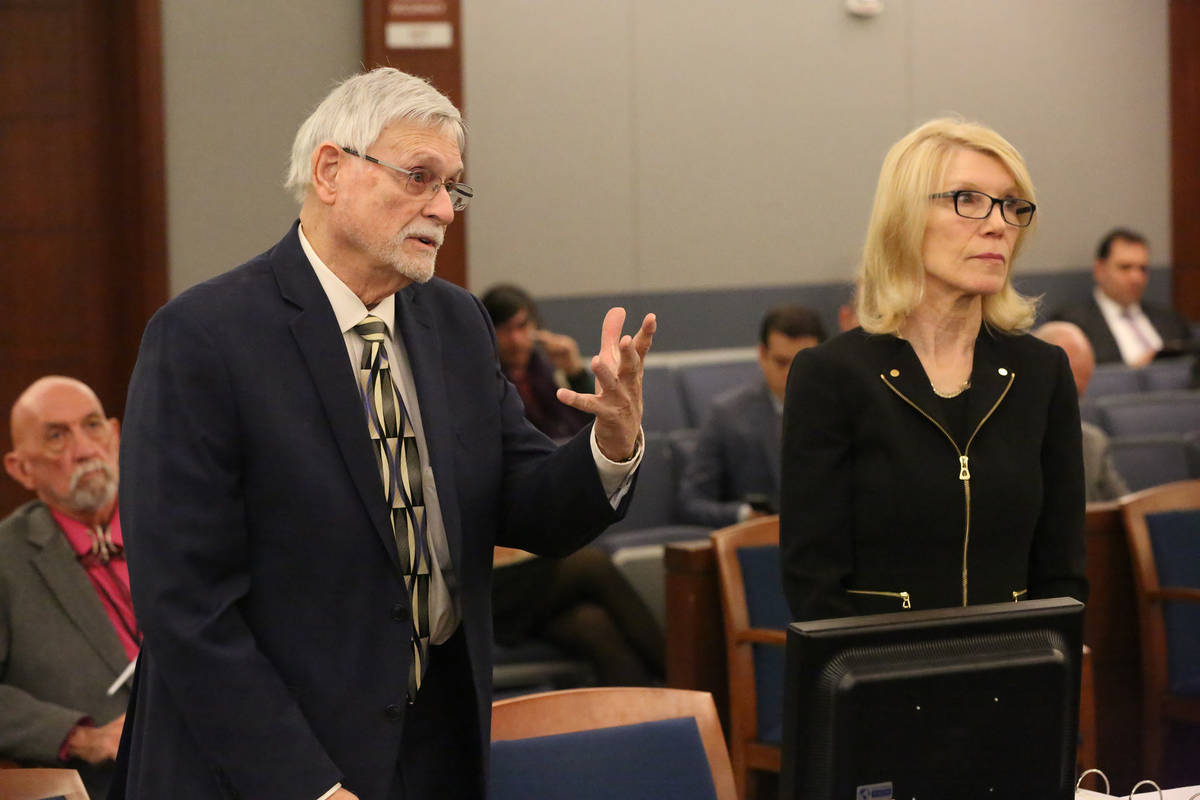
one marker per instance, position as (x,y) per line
(663,408)
(700,383)
(659,760)
(612,541)
(1110,379)
(767,608)
(1169,374)
(1175,540)
(1146,461)
(1150,413)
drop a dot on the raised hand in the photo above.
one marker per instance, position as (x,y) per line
(617,403)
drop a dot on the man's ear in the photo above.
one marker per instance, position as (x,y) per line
(326,164)
(15,466)
(116,429)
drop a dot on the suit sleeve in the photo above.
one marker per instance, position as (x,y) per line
(817,495)
(187,545)
(1056,560)
(700,488)
(30,729)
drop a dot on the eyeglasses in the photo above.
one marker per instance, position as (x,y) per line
(977,205)
(421,182)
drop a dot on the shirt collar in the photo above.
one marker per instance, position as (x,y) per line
(1110,306)
(78,534)
(347,306)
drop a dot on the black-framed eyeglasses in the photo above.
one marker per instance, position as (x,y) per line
(420,182)
(978,205)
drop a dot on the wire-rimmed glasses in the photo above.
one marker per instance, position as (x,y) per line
(420,182)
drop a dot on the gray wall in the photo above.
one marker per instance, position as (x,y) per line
(637,148)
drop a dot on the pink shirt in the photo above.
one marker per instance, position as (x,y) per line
(111,580)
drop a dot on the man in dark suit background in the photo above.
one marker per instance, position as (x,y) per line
(311,550)
(733,474)
(66,624)
(1119,324)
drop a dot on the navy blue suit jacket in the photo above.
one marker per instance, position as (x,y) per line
(263,568)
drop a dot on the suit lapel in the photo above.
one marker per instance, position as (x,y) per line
(55,561)
(323,348)
(1103,342)
(771,434)
(414,322)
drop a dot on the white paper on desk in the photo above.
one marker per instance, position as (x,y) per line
(1182,793)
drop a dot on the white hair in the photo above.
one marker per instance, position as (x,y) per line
(355,113)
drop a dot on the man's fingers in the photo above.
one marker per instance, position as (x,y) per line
(645,335)
(610,332)
(587,403)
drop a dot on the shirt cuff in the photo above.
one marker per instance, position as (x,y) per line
(329,794)
(63,752)
(616,477)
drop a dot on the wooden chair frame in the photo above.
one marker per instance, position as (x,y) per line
(1159,704)
(745,750)
(574,710)
(36,784)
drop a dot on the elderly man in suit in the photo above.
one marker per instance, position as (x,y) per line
(1117,322)
(67,629)
(326,452)
(733,473)
(1101,478)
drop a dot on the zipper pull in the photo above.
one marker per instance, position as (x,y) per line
(905,601)
(964,474)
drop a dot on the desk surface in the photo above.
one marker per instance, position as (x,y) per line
(1182,793)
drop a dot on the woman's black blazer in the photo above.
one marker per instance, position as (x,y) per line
(882,509)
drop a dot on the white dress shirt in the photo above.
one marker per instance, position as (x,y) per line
(1133,347)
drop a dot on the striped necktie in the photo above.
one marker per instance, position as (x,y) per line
(399,462)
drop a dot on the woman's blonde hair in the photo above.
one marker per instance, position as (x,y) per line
(891,277)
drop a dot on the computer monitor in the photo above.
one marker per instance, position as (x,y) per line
(976,702)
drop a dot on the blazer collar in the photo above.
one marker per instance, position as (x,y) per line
(321,344)
(991,375)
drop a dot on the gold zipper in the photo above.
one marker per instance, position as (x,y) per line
(964,467)
(905,600)
(1017,595)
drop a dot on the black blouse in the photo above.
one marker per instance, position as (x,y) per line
(885,505)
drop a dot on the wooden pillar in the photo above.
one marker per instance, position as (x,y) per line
(423,37)
(1185,154)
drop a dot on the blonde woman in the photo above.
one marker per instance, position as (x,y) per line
(931,457)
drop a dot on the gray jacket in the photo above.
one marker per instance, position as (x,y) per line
(59,652)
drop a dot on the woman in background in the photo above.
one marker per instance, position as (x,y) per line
(931,458)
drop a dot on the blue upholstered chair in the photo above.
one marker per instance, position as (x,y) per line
(756,618)
(1146,461)
(1112,379)
(628,743)
(1170,374)
(700,383)
(662,401)
(1163,526)
(1150,413)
